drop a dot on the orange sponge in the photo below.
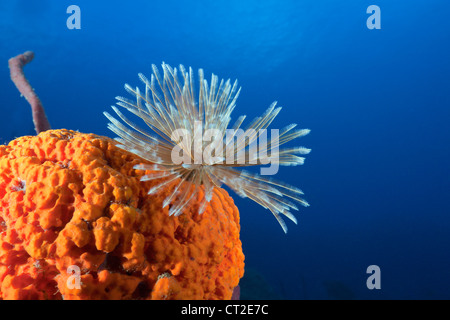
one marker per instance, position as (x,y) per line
(76,222)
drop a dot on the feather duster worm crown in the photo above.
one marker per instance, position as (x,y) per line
(170,108)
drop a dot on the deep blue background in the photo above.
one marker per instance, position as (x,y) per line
(377,102)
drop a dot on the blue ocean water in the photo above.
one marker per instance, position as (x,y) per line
(376,100)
